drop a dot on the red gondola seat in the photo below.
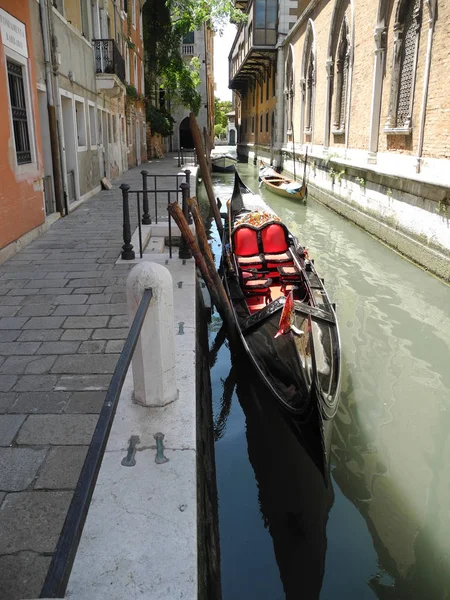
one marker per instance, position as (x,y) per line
(245,245)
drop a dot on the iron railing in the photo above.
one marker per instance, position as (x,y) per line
(49,195)
(187,155)
(63,558)
(158,193)
(108,58)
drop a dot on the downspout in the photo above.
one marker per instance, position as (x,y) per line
(425,88)
(52,118)
(280,108)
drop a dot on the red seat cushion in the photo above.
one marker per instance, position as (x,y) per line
(245,241)
(273,239)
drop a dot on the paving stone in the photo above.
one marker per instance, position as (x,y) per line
(62,468)
(114,289)
(110,334)
(75,283)
(54,291)
(46,283)
(99,298)
(83,382)
(85,322)
(118,321)
(13,322)
(85,274)
(22,292)
(10,300)
(6,349)
(9,426)
(119,297)
(92,347)
(56,275)
(36,310)
(40,402)
(89,364)
(22,575)
(32,365)
(72,299)
(76,334)
(7,382)
(30,383)
(14,284)
(45,299)
(9,335)
(107,309)
(85,402)
(57,430)
(114,346)
(8,311)
(44,323)
(61,347)
(6,401)
(2,497)
(88,290)
(18,467)
(71,310)
(40,335)
(32,521)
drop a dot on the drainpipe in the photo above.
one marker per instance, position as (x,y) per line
(52,119)
(280,108)
(425,89)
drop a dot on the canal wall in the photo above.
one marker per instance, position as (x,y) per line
(410,214)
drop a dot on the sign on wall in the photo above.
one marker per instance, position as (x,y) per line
(13,33)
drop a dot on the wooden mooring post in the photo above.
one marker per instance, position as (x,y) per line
(197,137)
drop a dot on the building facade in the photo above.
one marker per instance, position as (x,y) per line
(22,207)
(360,88)
(86,91)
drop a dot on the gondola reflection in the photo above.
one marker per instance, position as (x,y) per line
(294,491)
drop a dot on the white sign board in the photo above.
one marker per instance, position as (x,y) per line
(13,33)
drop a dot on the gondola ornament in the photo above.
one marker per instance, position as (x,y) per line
(287,317)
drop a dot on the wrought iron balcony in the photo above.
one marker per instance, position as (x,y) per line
(108,58)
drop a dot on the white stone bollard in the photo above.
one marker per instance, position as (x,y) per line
(153,362)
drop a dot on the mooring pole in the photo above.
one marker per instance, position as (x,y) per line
(184,250)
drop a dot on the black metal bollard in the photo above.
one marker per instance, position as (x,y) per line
(127,248)
(179,158)
(188,178)
(182,156)
(146,219)
(185,251)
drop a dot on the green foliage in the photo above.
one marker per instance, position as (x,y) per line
(219,130)
(132,92)
(193,13)
(160,120)
(221,108)
(336,174)
(361,181)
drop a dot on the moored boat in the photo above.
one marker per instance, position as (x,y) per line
(281,185)
(223,163)
(285,319)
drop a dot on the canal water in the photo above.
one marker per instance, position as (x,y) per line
(381,529)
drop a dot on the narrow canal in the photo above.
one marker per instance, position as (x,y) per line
(382,529)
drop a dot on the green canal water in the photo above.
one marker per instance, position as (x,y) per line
(382,529)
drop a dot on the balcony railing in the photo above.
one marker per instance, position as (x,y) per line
(108,58)
(187,49)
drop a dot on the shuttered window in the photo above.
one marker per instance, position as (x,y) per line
(19,113)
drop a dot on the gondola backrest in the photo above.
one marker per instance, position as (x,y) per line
(245,241)
(274,238)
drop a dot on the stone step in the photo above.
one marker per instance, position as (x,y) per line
(155,245)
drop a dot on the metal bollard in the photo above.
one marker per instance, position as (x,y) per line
(185,251)
(153,363)
(127,248)
(146,219)
(179,158)
(188,178)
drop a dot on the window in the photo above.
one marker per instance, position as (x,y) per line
(260,122)
(189,38)
(99,128)
(133,13)
(308,81)
(254,96)
(261,91)
(142,79)
(267,121)
(81,123)
(265,12)
(141,26)
(253,124)
(406,43)
(125,6)
(267,85)
(19,113)
(342,65)
(85,19)
(127,65)
(274,86)
(136,82)
(92,125)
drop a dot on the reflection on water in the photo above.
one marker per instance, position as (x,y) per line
(388,531)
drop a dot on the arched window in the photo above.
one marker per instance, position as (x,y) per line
(289,89)
(404,61)
(307,83)
(341,79)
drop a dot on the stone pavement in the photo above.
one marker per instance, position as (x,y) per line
(62,327)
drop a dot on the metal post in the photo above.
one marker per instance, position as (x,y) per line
(179,158)
(182,156)
(188,178)
(127,248)
(146,219)
(185,251)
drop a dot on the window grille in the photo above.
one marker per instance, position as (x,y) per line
(406,68)
(19,113)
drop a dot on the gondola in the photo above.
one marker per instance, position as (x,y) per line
(285,319)
(281,185)
(223,163)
